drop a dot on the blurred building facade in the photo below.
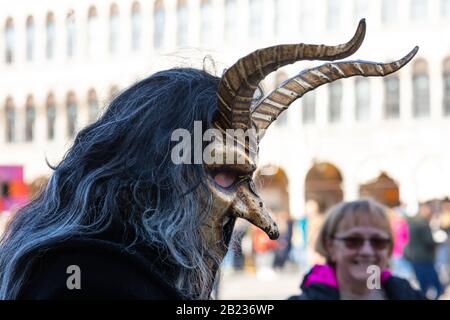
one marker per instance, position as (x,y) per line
(61,62)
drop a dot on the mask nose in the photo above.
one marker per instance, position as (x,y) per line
(248,205)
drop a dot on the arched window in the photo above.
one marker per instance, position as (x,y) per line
(92,31)
(362,99)
(231,20)
(306,16)
(136,26)
(182,23)
(159,24)
(30,38)
(207,25)
(50,106)
(419,10)
(278,16)
(333,14)
(272,184)
(446,82)
(114,28)
(30,119)
(445,8)
(50,30)
(10,117)
(256,12)
(71,33)
(421,89)
(334,101)
(92,105)
(383,189)
(389,11)
(9,41)
(309,107)
(281,11)
(71,109)
(323,185)
(360,9)
(391,97)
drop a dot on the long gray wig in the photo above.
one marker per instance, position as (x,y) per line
(126,151)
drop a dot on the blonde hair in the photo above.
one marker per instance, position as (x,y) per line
(349,214)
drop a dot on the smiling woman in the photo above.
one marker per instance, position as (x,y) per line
(356,240)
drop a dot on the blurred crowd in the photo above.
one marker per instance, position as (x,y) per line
(421,248)
(421,242)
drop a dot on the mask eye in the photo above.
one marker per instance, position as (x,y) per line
(225,179)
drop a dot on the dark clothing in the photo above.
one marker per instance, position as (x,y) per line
(421,253)
(321,284)
(284,247)
(428,278)
(421,246)
(109,270)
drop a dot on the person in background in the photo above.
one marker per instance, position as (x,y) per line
(357,243)
(445,227)
(264,250)
(284,242)
(421,252)
(315,219)
(239,233)
(299,250)
(400,265)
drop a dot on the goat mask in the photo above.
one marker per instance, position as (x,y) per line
(234,193)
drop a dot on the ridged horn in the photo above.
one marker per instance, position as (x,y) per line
(290,90)
(238,84)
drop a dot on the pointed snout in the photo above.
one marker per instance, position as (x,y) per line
(248,205)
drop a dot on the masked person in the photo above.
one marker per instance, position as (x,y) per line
(119,218)
(356,240)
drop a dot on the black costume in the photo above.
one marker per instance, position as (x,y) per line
(108,270)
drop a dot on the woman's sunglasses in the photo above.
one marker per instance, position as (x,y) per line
(354,242)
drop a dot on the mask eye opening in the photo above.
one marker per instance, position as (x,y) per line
(225,178)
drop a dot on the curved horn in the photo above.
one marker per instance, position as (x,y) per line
(239,82)
(290,90)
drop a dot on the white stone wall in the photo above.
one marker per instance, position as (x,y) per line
(413,151)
